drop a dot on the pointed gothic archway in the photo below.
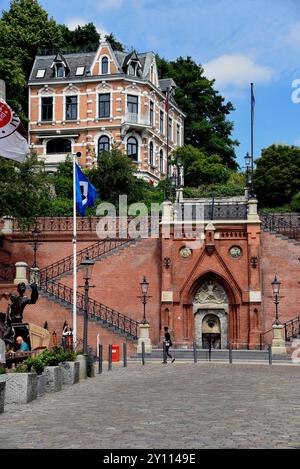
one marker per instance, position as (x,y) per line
(210,308)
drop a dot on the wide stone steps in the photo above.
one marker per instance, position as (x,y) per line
(114,329)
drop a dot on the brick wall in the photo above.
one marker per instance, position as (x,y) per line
(280,257)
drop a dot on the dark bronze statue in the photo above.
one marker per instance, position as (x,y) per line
(18,303)
(15,310)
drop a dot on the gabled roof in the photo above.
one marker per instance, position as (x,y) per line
(86,59)
(73,62)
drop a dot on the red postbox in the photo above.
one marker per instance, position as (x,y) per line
(115,351)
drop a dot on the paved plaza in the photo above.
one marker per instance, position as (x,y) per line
(184,405)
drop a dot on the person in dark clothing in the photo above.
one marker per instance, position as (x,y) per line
(168,344)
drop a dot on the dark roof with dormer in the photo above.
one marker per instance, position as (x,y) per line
(86,59)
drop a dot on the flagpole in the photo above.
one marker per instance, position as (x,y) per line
(74,257)
(252,138)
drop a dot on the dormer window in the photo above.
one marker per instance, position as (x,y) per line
(60,66)
(104,66)
(59,71)
(132,67)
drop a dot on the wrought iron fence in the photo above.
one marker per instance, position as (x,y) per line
(116,225)
(286,224)
(95,309)
(214,211)
(292,328)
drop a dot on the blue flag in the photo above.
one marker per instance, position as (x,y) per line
(86,193)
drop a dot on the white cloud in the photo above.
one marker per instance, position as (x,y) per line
(72,24)
(236,70)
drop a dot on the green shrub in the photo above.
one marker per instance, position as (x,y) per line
(2,370)
(49,358)
(35,364)
(295,204)
(22,368)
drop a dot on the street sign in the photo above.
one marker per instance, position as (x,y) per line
(2,89)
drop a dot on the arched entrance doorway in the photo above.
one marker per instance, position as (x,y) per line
(210,306)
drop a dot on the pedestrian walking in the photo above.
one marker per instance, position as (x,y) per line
(168,343)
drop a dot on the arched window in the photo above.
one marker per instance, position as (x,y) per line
(132,148)
(161,161)
(59,145)
(151,153)
(104,66)
(103,144)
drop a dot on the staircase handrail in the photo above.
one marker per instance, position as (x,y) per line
(93,251)
(273,223)
(289,329)
(95,309)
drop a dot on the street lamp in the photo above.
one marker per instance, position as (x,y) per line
(87,265)
(276,289)
(145,297)
(249,163)
(35,236)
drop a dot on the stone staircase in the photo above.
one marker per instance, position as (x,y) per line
(114,321)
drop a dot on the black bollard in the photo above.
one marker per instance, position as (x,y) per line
(195,352)
(125,355)
(270,355)
(100,358)
(109,357)
(143,353)
(230,353)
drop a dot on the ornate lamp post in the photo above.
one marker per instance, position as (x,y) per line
(88,265)
(276,290)
(247,164)
(145,297)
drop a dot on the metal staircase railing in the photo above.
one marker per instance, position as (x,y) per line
(96,310)
(64,265)
(286,225)
(291,330)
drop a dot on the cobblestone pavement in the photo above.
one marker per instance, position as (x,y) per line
(183,405)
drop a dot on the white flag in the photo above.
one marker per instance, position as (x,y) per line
(12,143)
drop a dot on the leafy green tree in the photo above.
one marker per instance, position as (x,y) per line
(24,29)
(206,124)
(200,168)
(63,180)
(83,38)
(24,189)
(115,44)
(277,175)
(295,204)
(114,176)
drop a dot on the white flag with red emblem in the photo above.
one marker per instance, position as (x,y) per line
(13,144)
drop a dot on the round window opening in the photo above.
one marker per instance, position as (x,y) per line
(235,252)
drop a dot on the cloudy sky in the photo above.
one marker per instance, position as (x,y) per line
(237,41)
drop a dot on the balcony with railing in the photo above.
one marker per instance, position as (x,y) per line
(133,119)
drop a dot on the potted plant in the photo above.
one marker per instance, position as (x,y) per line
(36,365)
(70,368)
(21,385)
(52,371)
